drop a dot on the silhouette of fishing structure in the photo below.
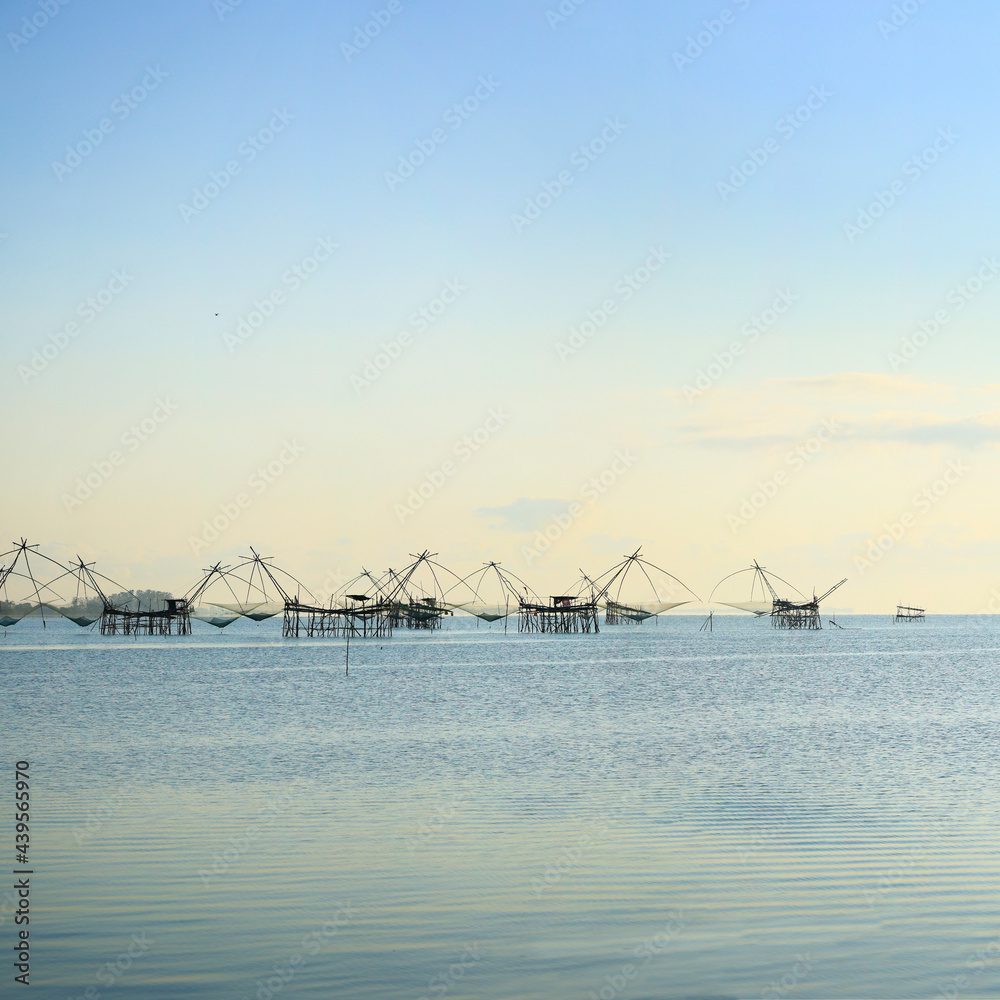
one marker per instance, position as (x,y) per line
(785,612)
(413,597)
(489,593)
(361,608)
(418,597)
(254,588)
(565,613)
(22,590)
(635,590)
(119,611)
(123,613)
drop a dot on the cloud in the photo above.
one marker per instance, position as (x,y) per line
(875,386)
(524,514)
(967,432)
(862,384)
(879,428)
(865,407)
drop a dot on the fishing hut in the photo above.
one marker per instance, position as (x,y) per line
(370,606)
(904,613)
(121,611)
(417,594)
(32,583)
(789,612)
(172,619)
(360,608)
(565,613)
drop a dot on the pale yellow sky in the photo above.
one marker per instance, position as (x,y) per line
(808,475)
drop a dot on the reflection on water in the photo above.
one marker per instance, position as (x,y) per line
(648,812)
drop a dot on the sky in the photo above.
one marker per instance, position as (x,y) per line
(533,282)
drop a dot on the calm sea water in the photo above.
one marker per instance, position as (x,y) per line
(649,812)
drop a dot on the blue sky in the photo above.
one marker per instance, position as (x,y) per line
(222,75)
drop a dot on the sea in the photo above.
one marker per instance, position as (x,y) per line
(652,811)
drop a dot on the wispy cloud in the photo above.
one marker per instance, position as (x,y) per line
(863,384)
(867,408)
(884,428)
